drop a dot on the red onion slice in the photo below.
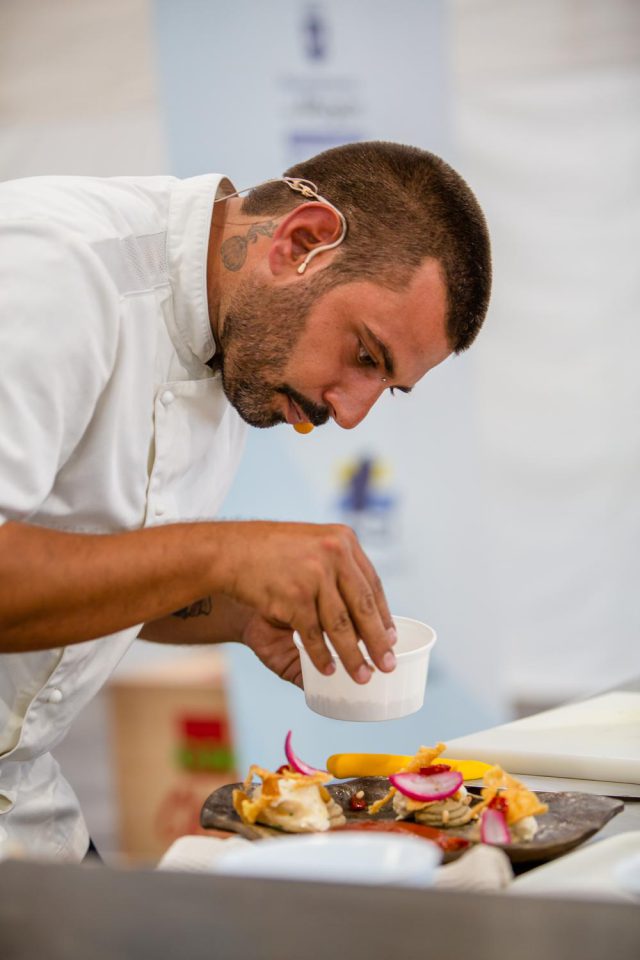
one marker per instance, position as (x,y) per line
(295,763)
(436,786)
(493,827)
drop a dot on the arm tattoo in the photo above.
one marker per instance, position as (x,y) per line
(201,608)
(234,250)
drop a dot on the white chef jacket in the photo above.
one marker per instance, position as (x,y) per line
(110,420)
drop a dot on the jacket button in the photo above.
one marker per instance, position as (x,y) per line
(167,397)
(54,695)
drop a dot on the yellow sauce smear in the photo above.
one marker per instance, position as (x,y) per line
(343,765)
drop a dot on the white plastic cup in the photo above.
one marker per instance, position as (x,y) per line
(386,696)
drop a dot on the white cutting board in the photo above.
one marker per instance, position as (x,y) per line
(597,739)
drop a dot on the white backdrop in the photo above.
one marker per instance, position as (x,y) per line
(78,89)
(252,87)
(547,122)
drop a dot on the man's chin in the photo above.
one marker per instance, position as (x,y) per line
(261,417)
(260,421)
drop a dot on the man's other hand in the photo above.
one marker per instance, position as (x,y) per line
(274,646)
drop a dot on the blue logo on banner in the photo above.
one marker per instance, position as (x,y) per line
(366,502)
(314,29)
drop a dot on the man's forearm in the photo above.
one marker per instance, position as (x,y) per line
(61,588)
(214,619)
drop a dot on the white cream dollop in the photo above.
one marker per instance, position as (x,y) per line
(297,809)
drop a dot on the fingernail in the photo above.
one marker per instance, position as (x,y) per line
(392,633)
(389,660)
(363,674)
(329,669)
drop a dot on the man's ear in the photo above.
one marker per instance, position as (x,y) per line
(309,226)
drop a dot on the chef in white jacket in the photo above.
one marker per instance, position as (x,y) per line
(144,322)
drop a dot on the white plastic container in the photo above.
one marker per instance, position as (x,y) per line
(336,858)
(386,696)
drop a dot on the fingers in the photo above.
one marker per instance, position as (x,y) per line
(342,633)
(312,636)
(292,670)
(366,604)
(362,600)
(273,644)
(351,605)
(379,597)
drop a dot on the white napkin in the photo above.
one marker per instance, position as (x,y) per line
(196,854)
(480,868)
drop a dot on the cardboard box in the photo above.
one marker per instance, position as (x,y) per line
(173,746)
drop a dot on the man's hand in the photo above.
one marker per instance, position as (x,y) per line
(317,580)
(274,646)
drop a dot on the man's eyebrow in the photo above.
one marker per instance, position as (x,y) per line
(387,358)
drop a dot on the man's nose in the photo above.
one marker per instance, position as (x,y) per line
(351,404)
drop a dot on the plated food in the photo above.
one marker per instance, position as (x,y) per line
(434,794)
(427,798)
(292,802)
(293,799)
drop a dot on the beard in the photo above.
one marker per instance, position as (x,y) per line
(260,330)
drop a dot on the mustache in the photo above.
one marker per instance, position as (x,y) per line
(316,413)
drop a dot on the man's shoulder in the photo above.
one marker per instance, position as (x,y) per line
(91,207)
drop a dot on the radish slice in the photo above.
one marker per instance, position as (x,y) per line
(299,765)
(435,786)
(493,827)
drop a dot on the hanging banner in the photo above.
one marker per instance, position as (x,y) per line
(251,88)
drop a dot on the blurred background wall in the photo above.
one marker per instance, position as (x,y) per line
(503,494)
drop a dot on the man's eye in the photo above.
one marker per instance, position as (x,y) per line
(364,357)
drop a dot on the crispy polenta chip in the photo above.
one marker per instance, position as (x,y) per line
(249,808)
(424,758)
(304,779)
(521,802)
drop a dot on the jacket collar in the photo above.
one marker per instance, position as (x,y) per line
(190,211)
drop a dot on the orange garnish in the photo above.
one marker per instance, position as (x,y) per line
(303,427)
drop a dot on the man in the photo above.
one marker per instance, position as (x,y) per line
(142,326)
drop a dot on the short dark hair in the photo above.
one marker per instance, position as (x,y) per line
(402,205)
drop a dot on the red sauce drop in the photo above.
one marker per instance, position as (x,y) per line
(446,843)
(357,803)
(499,803)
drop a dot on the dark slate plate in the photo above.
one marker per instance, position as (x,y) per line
(572,818)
